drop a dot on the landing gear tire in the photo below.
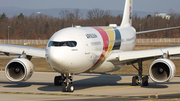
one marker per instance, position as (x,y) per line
(145,81)
(64,88)
(58,81)
(135,81)
(70,88)
(140,79)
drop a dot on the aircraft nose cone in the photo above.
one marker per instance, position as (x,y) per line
(54,55)
(58,58)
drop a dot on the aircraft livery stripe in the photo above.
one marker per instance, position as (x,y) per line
(108,36)
(105,46)
(117,42)
(111,35)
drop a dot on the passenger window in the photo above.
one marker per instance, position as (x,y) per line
(60,44)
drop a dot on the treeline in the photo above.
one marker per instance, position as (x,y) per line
(40,26)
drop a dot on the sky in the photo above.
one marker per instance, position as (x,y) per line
(138,5)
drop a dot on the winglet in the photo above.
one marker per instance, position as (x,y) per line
(127,17)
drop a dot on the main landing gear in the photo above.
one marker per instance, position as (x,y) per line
(67,80)
(140,79)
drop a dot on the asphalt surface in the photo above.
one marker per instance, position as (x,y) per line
(96,87)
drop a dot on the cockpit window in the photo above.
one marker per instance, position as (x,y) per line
(60,44)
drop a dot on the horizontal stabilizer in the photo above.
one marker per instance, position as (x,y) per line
(157,30)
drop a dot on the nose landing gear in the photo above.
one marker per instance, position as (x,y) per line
(68,86)
(67,80)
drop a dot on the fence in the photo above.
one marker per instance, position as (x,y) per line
(159,40)
(44,42)
(24,42)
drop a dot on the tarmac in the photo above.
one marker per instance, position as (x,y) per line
(96,87)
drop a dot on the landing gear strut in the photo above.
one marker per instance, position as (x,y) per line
(140,79)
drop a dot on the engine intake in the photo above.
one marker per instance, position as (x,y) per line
(162,70)
(19,69)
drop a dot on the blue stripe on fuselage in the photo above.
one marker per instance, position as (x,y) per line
(117,41)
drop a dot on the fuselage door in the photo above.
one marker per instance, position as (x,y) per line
(86,45)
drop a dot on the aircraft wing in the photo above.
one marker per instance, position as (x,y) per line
(37,52)
(129,56)
(157,30)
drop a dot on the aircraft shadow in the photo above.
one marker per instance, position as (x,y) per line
(18,85)
(22,84)
(103,81)
(155,86)
(100,80)
(87,82)
(159,85)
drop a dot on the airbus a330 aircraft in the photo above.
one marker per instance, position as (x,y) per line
(78,49)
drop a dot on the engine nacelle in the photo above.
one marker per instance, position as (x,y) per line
(162,70)
(19,69)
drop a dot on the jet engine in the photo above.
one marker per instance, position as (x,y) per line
(162,70)
(19,69)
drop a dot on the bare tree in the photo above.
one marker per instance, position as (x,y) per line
(40,26)
(96,16)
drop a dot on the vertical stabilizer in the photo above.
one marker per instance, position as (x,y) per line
(127,16)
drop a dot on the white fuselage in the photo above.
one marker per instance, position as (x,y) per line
(85,49)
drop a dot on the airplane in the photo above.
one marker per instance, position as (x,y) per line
(97,49)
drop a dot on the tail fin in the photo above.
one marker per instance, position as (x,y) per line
(127,17)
